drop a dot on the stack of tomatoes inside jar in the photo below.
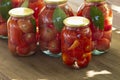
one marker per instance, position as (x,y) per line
(52,24)
(100,14)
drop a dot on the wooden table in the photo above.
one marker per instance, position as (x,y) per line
(42,67)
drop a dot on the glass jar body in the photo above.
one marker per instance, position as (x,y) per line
(49,39)
(101,38)
(21,36)
(76,46)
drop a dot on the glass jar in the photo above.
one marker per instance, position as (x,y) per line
(76,40)
(100,14)
(21,32)
(50,24)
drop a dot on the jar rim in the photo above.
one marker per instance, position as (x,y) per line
(21,12)
(57,2)
(76,21)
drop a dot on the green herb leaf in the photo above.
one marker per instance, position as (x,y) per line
(97,17)
(5,6)
(58,17)
(25,3)
(33,23)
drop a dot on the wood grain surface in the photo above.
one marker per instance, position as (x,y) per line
(43,67)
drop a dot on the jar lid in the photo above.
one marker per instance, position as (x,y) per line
(76,21)
(21,12)
(55,1)
(94,0)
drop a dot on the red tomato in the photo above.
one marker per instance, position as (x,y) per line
(78,53)
(87,45)
(64,45)
(67,59)
(23,49)
(30,38)
(88,56)
(47,33)
(68,11)
(15,34)
(69,36)
(36,5)
(25,25)
(82,63)
(16,3)
(93,45)
(97,35)
(58,36)
(33,47)
(3,29)
(104,9)
(84,60)
(43,45)
(1,20)
(54,46)
(84,12)
(107,25)
(103,44)
(107,35)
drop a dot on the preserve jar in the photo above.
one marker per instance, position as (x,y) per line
(50,24)
(100,14)
(21,32)
(76,40)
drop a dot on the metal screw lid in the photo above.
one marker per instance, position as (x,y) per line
(21,12)
(76,21)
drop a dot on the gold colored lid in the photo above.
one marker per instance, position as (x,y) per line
(76,21)
(21,12)
(94,0)
(55,1)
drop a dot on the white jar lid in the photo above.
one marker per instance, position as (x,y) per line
(76,21)
(21,12)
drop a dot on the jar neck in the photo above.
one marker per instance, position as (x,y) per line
(94,3)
